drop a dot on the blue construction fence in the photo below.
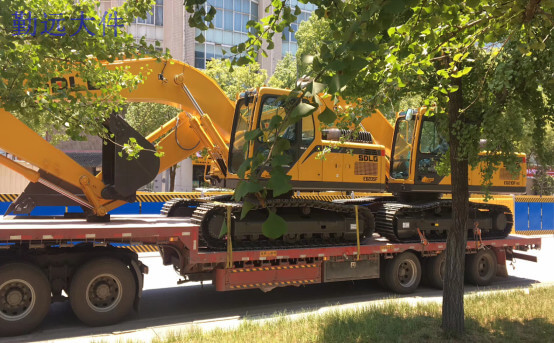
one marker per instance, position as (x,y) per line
(534,214)
(133,208)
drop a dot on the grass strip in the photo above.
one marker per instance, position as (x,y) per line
(512,316)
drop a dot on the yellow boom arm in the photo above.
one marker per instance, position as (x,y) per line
(205,121)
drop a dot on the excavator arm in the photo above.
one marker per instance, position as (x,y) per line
(205,121)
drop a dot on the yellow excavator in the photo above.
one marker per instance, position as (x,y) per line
(379,157)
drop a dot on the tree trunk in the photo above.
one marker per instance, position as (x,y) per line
(453,295)
(172,172)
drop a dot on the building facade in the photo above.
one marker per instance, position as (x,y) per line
(168,25)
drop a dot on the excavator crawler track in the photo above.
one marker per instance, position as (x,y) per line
(310,224)
(399,222)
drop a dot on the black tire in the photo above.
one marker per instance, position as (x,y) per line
(434,270)
(25,298)
(102,292)
(480,268)
(403,273)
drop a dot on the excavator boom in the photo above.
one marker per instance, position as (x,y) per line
(205,121)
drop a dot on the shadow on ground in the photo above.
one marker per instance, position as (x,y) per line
(185,304)
(382,327)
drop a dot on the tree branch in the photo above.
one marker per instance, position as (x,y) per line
(530,10)
(486,74)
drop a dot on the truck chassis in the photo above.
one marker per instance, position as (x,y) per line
(43,261)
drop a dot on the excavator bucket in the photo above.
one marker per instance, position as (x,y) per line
(124,175)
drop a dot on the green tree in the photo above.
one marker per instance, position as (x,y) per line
(312,34)
(238,79)
(285,75)
(540,158)
(477,64)
(148,117)
(30,57)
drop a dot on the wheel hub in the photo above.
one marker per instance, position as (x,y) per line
(16,300)
(483,267)
(14,297)
(104,293)
(406,274)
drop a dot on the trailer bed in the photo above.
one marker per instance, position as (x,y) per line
(156,229)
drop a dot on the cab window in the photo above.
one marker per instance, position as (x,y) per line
(243,119)
(431,141)
(403,140)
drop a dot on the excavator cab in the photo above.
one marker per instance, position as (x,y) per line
(353,162)
(417,148)
(256,110)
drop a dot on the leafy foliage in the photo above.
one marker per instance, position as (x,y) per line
(312,35)
(148,117)
(27,63)
(236,80)
(285,74)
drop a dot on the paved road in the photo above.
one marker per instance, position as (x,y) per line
(166,306)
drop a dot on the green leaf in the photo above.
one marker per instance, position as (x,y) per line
(394,6)
(281,160)
(246,207)
(274,226)
(452,89)
(275,122)
(200,38)
(281,145)
(279,181)
(246,187)
(252,135)
(400,83)
(328,116)
(244,167)
(317,88)
(243,60)
(462,72)
(391,31)
(223,230)
(302,110)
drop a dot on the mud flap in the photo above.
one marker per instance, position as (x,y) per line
(139,275)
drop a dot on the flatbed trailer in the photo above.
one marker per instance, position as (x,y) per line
(48,260)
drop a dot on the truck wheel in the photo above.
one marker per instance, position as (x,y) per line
(403,273)
(481,267)
(434,270)
(102,292)
(25,298)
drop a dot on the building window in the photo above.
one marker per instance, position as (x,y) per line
(289,39)
(207,51)
(156,17)
(229,28)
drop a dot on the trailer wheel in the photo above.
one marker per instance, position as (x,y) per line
(434,270)
(25,298)
(403,273)
(102,292)
(481,267)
